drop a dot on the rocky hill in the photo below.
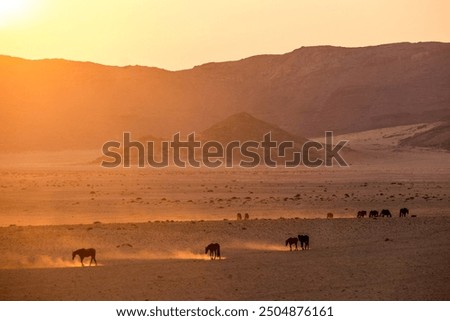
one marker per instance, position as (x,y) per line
(58,104)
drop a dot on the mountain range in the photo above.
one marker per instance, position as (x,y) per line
(55,104)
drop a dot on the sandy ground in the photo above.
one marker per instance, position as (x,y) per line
(349,259)
(35,192)
(84,195)
(150,228)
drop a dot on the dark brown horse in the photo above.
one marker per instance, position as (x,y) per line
(82,253)
(292,241)
(404,212)
(373,213)
(304,241)
(361,214)
(385,212)
(214,250)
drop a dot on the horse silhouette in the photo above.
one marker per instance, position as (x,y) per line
(373,213)
(385,212)
(404,212)
(292,241)
(329,215)
(304,241)
(214,250)
(238,216)
(361,214)
(82,253)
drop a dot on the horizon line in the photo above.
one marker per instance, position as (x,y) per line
(219,62)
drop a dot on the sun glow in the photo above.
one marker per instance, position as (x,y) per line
(13,10)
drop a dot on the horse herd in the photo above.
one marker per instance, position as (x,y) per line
(213,249)
(303,239)
(384,213)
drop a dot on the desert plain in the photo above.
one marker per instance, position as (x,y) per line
(150,228)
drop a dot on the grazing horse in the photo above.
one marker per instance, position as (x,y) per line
(361,214)
(385,213)
(82,253)
(292,241)
(214,250)
(304,241)
(404,212)
(329,215)
(373,213)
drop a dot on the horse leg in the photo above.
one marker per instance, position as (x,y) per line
(81,259)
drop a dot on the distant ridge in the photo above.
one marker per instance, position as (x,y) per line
(60,105)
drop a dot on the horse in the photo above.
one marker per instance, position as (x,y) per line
(292,241)
(373,213)
(214,250)
(404,212)
(329,215)
(361,214)
(385,212)
(82,253)
(304,241)
(238,216)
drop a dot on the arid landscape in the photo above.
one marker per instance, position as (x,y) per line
(150,226)
(349,259)
(224,159)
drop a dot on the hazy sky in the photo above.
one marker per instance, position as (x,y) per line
(178,34)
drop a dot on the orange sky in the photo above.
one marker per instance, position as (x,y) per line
(178,34)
